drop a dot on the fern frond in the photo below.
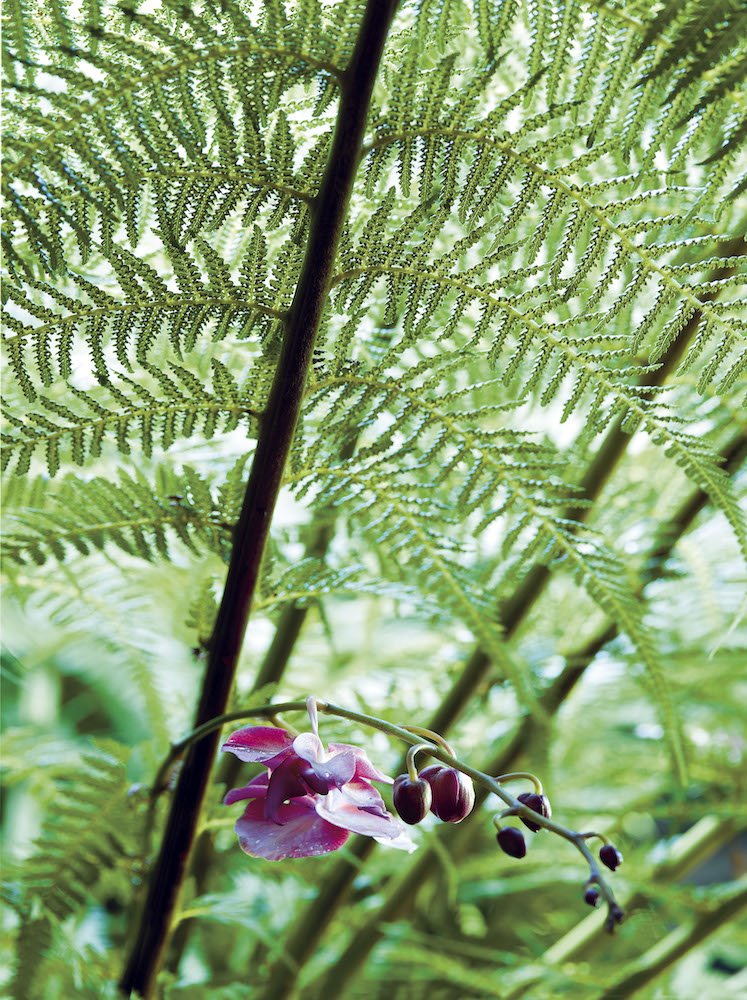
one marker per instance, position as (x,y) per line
(139,517)
(694,37)
(118,618)
(409,530)
(149,113)
(403,521)
(127,411)
(310,582)
(571,202)
(498,306)
(92,828)
(132,320)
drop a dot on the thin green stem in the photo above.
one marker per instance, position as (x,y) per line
(593,835)
(522,776)
(412,771)
(489,783)
(430,735)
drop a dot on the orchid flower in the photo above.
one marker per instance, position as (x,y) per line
(312,799)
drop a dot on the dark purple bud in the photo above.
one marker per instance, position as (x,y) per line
(610,856)
(539,803)
(511,841)
(591,896)
(453,792)
(412,799)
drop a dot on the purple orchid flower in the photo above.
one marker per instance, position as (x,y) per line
(312,799)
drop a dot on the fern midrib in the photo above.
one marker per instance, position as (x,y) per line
(70,126)
(458,432)
(31,435)
(559,538)
(33,203)
(183,517)
(117,307)
(571,191)
(688,460)
(307,594)
(621,612)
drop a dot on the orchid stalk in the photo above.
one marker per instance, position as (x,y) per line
(302,775)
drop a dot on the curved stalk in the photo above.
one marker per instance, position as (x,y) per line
(488,783)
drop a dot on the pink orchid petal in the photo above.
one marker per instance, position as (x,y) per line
(318,783)
(364,796)
(333,771)
(336,771)
(303,833)
(338,809)
(401,843)
(259,744)
(309,746)
(256,789)
(363,767)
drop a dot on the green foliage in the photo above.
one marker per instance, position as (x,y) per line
(122,411)
(86,515)
(542,265)
(91,829)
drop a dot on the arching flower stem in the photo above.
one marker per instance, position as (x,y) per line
(430,735)
(411,769)
(593,835)
(519,776)
(413,736)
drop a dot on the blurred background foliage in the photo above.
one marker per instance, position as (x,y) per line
(99,649)
(102,660)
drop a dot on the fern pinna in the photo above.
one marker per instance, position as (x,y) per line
(421,269)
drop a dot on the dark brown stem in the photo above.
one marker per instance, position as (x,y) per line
(251,533)
(273,666)
(292,618)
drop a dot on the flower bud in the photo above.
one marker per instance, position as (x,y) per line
(511,841)
(591,896)
(453,793)
(610,856)
(412,799)
(539,803)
